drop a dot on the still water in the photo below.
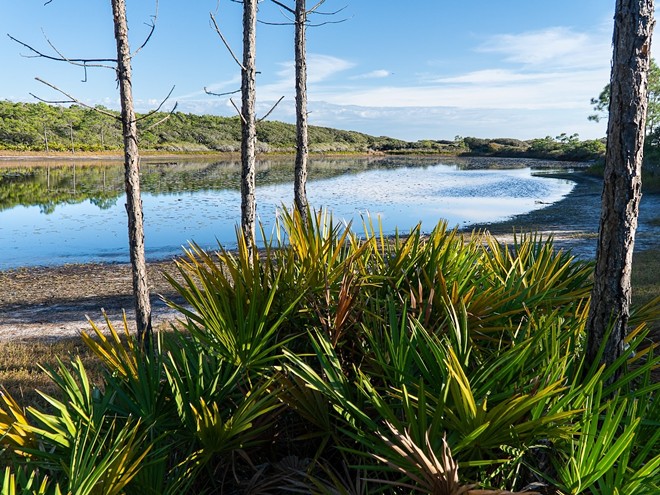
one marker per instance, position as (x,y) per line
(52,214)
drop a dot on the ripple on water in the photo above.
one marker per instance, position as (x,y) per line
(401,197)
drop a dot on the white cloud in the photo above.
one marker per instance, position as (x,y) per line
(374,74)
(539,91)
(413,123)
(553,68)
(530,84)
(490,76)
(551,47)
(320,68)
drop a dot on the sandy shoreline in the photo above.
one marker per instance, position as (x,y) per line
(53,302)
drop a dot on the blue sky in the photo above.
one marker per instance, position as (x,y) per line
(422,69)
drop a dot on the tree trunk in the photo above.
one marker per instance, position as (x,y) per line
(132,177)
(610,298)
(249,132)
(302,150)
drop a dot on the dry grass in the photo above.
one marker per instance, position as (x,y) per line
(21,372)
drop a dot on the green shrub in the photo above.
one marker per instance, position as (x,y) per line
(431,363)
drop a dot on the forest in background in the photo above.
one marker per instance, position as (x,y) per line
(43,127)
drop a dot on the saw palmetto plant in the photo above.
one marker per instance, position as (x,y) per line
(331,362)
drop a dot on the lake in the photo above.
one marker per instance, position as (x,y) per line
(73,212)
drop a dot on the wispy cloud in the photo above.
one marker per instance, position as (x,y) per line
(554,70)
(550,68)
(320,68)
(549,90)
(445,122)
(374,74)
(551,47)
(490,76)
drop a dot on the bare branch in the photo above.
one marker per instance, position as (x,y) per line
(217,30)
(308,24)
(328,22)
(267,23)
(240,114)
(152,25)
(159,106)
(75,61)
(271,109)
(313,9)
(50,102)
(221,94)
(285,7)
(157,123)
(71,99)
(63,58)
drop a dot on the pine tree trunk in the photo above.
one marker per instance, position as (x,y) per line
(132,177)
(249,133)
(302,150)
(610,299)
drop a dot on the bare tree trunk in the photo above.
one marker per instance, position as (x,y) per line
(302,150)
(610,299)
(249,132)
(132,177)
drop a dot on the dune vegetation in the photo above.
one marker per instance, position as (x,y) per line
(335,363)
(38,127)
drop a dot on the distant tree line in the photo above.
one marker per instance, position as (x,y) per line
(42,127)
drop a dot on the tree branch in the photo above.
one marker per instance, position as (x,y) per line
(217,30)
(157,123)
(75,61)
(240,114)
(313,10)
(85,63)
(268,23)
(71,100)
(152,25)
(159,106)
(63,58)
(271,109)
(285,7)
(318,24)
(221,94)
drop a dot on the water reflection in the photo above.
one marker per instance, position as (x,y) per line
(67,213)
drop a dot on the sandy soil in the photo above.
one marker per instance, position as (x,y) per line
(573,221)
(50,303)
